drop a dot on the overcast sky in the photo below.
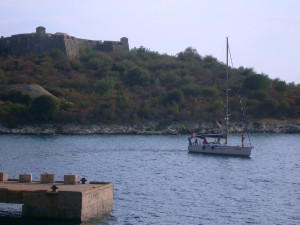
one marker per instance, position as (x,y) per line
(263,34)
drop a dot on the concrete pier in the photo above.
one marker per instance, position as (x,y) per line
(58,200)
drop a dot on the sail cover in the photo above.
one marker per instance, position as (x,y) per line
(202,136)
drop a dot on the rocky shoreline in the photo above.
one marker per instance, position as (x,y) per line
(152,128)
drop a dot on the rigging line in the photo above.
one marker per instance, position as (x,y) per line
(230,56)
(244,119)
(241,104)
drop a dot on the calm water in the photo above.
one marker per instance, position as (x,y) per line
(157,182)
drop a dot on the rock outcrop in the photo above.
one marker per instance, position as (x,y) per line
(154,128)
(33,90)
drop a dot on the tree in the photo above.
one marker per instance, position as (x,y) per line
(143,53)
(2,77)
(268,106)
(189,54)
(174,96)
(257,82)
(137,76)
(169,78)
(44,107)
(297,101)
(210,62)
(57,55)
(209,92)
(103,85)
(279,85)
(259,95)
(96,61)
(16,96)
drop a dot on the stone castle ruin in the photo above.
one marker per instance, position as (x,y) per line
(41,42)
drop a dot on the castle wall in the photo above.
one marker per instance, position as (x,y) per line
(71,46)
(42,42)
(114,46)
(120,47)
(84,44)
(106,46)
(103,46)
(31,43)
(25,43)
(4,46)
(54,42)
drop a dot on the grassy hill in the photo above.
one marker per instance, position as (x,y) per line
(137,87)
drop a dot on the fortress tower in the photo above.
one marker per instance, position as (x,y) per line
(41,42)
(40,30)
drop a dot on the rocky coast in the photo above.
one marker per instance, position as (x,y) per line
(152,128)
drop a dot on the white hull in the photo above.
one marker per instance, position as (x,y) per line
(221,149)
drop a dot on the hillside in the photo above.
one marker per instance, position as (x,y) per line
(136,88)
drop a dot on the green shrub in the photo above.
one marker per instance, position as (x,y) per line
(44,107)
(257,82)
(137,76)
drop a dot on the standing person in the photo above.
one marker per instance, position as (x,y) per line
(243,138)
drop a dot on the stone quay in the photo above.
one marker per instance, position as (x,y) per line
(63,200)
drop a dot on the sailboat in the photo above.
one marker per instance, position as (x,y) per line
(217,144)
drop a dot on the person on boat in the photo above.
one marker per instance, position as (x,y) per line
(243,138)
(196,142)
(190,141)
(205,141)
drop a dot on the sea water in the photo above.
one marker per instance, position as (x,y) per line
(156,181)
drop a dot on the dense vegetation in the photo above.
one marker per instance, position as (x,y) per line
(140,86)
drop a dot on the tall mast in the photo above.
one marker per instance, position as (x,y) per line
(226,117)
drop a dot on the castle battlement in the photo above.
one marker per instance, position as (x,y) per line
(41,42)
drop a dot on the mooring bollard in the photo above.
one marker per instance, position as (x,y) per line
(54,188)
(83,180)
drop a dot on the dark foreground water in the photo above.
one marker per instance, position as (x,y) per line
(157,182)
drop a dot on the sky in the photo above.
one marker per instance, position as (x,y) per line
(263,34)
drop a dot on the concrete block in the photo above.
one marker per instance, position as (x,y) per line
(74,202)
(3,176)
(97,202)
(25,178)
(70,179)
(47,178)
